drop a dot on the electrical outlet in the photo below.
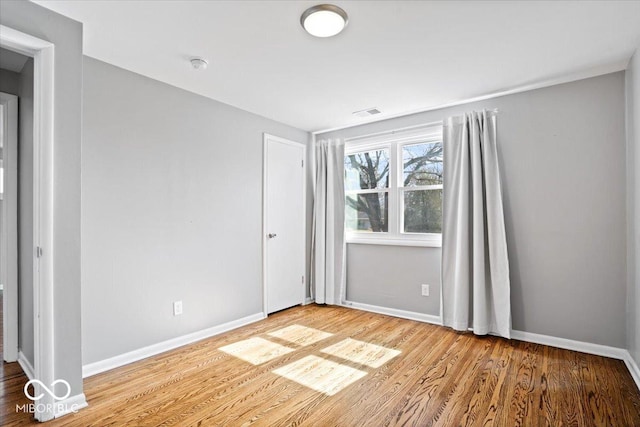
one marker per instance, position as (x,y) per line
(425,290)
(177,308)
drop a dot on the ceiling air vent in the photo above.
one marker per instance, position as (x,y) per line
(367,112)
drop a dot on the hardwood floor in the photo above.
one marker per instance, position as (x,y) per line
(1,322)
(414,374)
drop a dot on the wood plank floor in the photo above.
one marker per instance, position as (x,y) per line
(439,377)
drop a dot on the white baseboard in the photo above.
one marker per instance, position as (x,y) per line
(69,405)
(411,315)
(584,347)
(632,366)
(26,366)
(308,300)
(142,353)
(62,407)
(567,344)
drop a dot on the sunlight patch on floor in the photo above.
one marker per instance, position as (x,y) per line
(362,353)
(256,350)
(300,335)
(320,374)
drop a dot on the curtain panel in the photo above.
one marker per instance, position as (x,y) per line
(475,264)
(328,238)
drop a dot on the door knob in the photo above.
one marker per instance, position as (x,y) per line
(272,235)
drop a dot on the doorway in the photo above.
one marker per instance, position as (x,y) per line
(16,208)
(283,223)
(40,265)
(9,225)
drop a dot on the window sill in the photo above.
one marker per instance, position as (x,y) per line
(434,242)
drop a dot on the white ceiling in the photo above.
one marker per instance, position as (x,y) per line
(399,56)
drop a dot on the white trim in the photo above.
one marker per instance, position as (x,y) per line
(567,344)
(308,300)
(426,242)
(20,42)
(26,366)
(632,366)
(425,132)
(366,191)
(403,314)
(264,224)
(70,405)
(265,145)
(42,52)
(580,75)
(583,347)
(9,227)
(394,142)
(43,179)
(142,353)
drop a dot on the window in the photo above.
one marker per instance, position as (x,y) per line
(367,191)
(421,188)
(393,188)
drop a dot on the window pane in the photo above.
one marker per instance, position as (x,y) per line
(367,212)
(423,211)
(366,170)
(422,164)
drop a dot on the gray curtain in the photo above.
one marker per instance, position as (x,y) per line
(328,242)
(475,264)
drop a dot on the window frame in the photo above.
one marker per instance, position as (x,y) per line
(383,190)
(394,141)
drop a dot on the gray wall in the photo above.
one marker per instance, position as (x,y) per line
(633,203)
(25,212)
(562,154)
(66,34)
(171,210)
(391,276)
(9,81)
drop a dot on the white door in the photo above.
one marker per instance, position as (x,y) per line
(284,223)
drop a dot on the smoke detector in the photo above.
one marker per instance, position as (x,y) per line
(367,112)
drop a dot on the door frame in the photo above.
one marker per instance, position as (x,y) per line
(9,235)
(266,139)
(42,52)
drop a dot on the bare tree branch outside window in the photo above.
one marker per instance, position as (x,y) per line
(420,187)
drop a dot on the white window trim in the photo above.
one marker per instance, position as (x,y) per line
(394,141)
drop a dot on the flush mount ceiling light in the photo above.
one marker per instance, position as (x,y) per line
(324,20)
(199,63)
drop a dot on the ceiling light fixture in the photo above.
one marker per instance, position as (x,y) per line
(324,20)
(199,63)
